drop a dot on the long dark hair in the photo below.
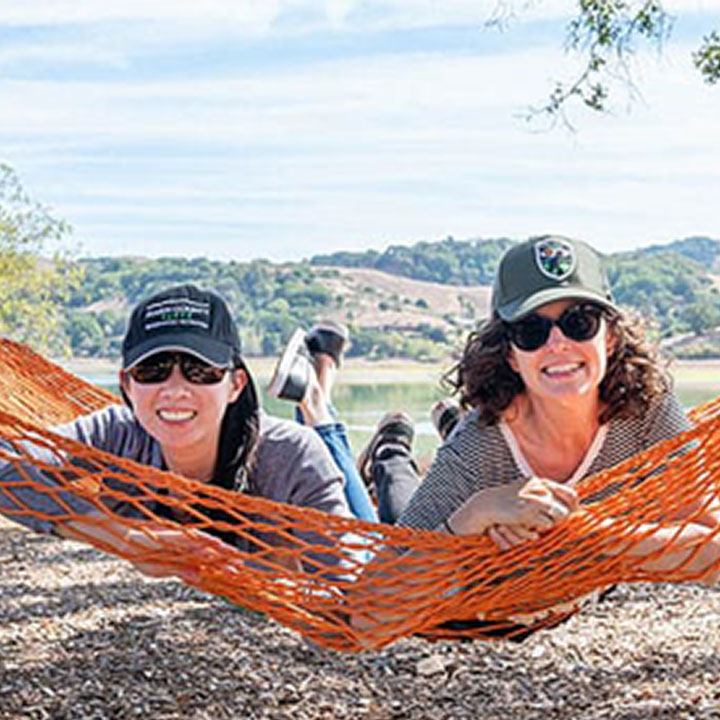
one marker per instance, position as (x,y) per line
(636,374)
(237,450)
(239,432)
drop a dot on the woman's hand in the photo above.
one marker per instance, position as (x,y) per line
(683,554)
(556,502)
(515,513)
(154,549)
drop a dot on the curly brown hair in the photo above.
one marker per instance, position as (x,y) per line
(636,373)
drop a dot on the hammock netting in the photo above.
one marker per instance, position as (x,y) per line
(347,584)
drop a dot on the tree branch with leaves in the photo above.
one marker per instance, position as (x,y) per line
(36,271)
(606,35)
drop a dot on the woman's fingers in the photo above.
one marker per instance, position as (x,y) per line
(161,540)
(497,536)
(535,503)
(541,513)
(556,511)
(565,495)
(534,486)
(508,536)
(544,488)
(553,501)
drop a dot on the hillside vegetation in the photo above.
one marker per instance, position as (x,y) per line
(417,301)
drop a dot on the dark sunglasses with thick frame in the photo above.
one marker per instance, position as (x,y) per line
(158,368)
(579,322)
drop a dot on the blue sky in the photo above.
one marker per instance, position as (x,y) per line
(284,128)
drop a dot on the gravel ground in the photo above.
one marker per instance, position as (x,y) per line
(83,636)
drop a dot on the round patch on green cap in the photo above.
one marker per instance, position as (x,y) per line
(555,258)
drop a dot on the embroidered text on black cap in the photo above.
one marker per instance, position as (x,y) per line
(177,312)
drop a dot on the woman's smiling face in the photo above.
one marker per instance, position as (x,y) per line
(563,368)
(183,416)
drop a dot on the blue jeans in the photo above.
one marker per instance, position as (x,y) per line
(336,440)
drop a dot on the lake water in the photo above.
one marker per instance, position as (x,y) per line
(361,406)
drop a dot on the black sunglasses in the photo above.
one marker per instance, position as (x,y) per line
(158,368)
(579,322)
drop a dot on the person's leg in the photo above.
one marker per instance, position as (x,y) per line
(336,440)
(386,463)
(326,368)
(315,407)
(306,370)
(316,411)
(445,415)
(312,394)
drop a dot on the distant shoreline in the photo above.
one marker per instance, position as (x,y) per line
(360,371)
(355,371)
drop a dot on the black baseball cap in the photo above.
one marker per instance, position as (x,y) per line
(548,268)
(182,318)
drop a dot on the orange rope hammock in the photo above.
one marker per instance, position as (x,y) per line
(347,573)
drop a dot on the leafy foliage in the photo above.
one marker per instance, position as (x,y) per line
(450,262)
(669,288)
(268,301)
(668,284)
(606,34)
(42,300)
(32,283)
(707,58)
(703,250)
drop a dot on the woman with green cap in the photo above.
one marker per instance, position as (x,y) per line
(558,384)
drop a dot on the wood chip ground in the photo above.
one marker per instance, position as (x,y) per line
(84,636)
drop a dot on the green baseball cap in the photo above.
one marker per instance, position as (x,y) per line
(548,268)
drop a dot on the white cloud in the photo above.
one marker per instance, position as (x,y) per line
(61,53)
(295,158)
(260,15)
(253,13)
(338,11)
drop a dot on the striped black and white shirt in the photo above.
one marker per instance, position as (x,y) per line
(474,458)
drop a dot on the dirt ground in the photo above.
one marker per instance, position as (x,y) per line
(83,636)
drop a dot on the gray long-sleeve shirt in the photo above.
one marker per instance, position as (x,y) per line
(293,466)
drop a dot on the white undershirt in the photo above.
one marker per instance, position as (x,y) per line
(580,470)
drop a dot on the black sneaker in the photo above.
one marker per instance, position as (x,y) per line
(445,415)
(394,428)
(292,373)
(328,337)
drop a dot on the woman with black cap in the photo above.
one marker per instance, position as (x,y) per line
(191,407)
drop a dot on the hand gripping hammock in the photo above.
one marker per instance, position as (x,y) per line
(348,584)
